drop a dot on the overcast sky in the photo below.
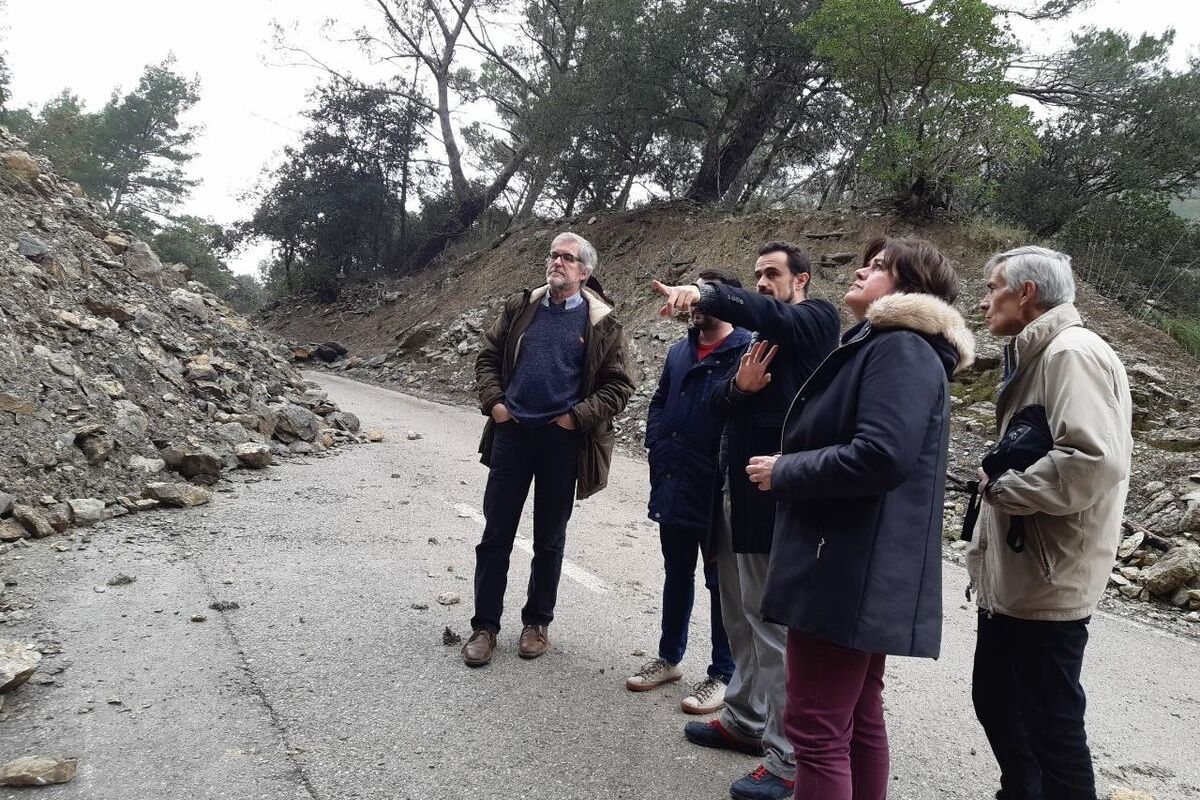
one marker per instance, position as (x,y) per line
(251,96)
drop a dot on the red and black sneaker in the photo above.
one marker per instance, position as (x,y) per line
(762,784)
(714,734)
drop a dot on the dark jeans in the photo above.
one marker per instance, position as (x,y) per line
(547,456)
(679,547)
(1028,698)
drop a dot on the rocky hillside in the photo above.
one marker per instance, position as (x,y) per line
(123,385)
(421,334)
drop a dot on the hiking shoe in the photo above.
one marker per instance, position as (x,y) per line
(762,784)
(479,648)
(714,734)
(707,696)
(653,673)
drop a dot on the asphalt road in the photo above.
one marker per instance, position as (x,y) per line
(331,679)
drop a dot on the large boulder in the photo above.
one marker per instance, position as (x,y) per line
(143,263)
(1175,570)
(254,455)
(86,510)
(296,423)
(178,495)
(19,165)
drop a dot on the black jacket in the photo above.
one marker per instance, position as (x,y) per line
(683,433)
(805,332)
(858,533)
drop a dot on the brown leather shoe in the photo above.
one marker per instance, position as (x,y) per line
(534,641)
(479,648)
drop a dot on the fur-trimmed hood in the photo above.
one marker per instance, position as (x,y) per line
(929,316)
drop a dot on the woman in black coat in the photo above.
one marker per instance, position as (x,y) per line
(855,572)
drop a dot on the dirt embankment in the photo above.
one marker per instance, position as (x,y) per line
(421,333)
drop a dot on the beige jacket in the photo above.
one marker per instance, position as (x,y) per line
(1073,498)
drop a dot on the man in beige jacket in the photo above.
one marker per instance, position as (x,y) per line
(1035,601)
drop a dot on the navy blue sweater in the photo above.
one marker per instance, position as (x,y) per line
(548,377)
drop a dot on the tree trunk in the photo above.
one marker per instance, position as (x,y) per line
(468,211)
(533,192)
(721,165)
(635,168)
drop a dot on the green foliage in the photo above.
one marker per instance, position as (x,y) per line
(203,246)
(142,145)
(1134,249)
(129,155)
(1185,330)
(929,90)
(1129,124)
(335,208)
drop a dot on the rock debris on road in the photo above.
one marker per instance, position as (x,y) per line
(330,669)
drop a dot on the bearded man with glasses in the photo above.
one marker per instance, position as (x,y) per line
(552,374)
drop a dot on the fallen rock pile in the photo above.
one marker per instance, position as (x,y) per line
(124,385)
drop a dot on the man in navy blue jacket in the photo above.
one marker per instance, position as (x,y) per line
(683,435)
(755,402)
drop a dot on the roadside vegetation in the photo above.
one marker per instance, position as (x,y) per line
(498,113)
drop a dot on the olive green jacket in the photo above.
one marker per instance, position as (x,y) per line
(607,378)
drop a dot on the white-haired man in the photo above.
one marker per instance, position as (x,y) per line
(1037,591)
(551,375)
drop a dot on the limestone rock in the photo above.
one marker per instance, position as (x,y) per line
(1148,373)
(254,455)
(37,771)
(1191,518)
(11,531)
(34,521)
(1131,591)
(142,261)
(6,503)
(296,423)
(117,243)
(19,165)
(178,495)
(190,301)
(150,466)
(87,510)
(18,662)
(1176,569)
(201,462)
(16,405)
(1129,544)
(32,247)
(344,421)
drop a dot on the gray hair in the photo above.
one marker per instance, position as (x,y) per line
(1048,270)
(587,253)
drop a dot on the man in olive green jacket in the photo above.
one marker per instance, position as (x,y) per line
(551,375)
(1035,600)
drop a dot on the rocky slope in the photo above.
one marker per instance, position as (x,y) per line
(421,334)
(123,385)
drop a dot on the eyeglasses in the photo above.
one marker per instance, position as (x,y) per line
(567,258)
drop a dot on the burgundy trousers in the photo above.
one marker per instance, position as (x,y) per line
(834,720)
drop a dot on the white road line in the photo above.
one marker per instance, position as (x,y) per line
(573,571)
